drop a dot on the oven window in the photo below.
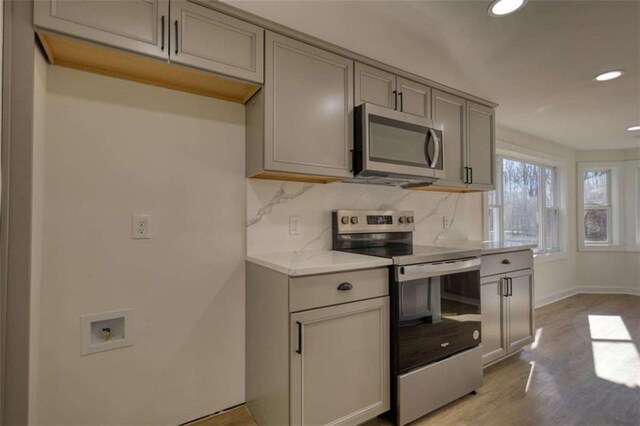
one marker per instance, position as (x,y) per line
(452,296)
(393,141)
(437,317)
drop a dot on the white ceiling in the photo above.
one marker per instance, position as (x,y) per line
(538,63)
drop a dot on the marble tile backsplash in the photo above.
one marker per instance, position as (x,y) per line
(270,204)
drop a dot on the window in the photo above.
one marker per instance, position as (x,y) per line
(524,207)
(597,206)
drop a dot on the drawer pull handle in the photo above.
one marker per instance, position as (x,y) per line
(345,286)
(506,262)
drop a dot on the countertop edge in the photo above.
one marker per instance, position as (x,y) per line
(316,270)
(507,249)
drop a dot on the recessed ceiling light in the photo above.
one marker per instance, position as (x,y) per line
(505,7)
(633,128)
(609,75)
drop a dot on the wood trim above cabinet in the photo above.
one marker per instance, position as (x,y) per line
(86,56)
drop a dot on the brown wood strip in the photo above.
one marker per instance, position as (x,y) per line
(73,53)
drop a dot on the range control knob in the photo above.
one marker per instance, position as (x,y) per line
(402,219)
(345,220)
(354,220)
(409,219)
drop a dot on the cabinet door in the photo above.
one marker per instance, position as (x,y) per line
(449,111)
(210,40)
(492,303)
(137,25)
(340,363)
(520,314)
(481,146)
(308,109)
(374,86)
(414,98)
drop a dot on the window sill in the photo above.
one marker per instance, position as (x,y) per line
(549,257)
(610,248)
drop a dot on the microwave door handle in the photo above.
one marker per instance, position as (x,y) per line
(436,148)
(426,149)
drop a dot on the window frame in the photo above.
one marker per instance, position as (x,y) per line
(608,206)
(558,206)
(614,219)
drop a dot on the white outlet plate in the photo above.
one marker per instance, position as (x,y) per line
(295,225)
(140,226)
(445,222)
(119,322)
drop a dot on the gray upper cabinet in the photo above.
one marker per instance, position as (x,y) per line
(449,110)
(414,98)
(469,142)
(481,146)
(374,86)
(302,120)
(213,41)
(177,30)
(135,25)
(378,87)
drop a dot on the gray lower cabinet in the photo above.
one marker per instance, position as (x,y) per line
(469,142)
(316,355)
(301,122)
(506,305)
(339,363)
(175,30)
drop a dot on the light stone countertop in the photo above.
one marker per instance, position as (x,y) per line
(486,247)
(316,262)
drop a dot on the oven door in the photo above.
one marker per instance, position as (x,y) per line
(399,143)
(436,311)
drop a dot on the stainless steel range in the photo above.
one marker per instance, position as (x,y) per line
(435,310)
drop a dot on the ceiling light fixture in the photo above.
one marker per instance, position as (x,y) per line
(633,128)
(505,7)
(609,75)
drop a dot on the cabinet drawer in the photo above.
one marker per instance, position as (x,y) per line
(322,290)
(506,262)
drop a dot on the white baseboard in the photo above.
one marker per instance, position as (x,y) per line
(555,297)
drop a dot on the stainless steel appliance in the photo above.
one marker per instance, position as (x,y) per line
(435,310)
(396,148)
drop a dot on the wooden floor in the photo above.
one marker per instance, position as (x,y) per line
(583,369)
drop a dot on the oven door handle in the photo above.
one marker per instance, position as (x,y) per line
(415,272)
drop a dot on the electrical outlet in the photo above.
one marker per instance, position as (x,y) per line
(140,226)
(295,225)
(446,221)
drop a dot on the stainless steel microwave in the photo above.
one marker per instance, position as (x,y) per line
(396,148)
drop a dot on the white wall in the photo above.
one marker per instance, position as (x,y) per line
(555,276)
(270,204)
(613,271)
(113,148)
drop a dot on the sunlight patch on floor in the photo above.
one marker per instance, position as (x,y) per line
(608,327)
(615,356)
(536,338)
(533,365)
(617,362)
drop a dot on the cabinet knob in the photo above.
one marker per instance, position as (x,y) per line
(506,262)
(345,286)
